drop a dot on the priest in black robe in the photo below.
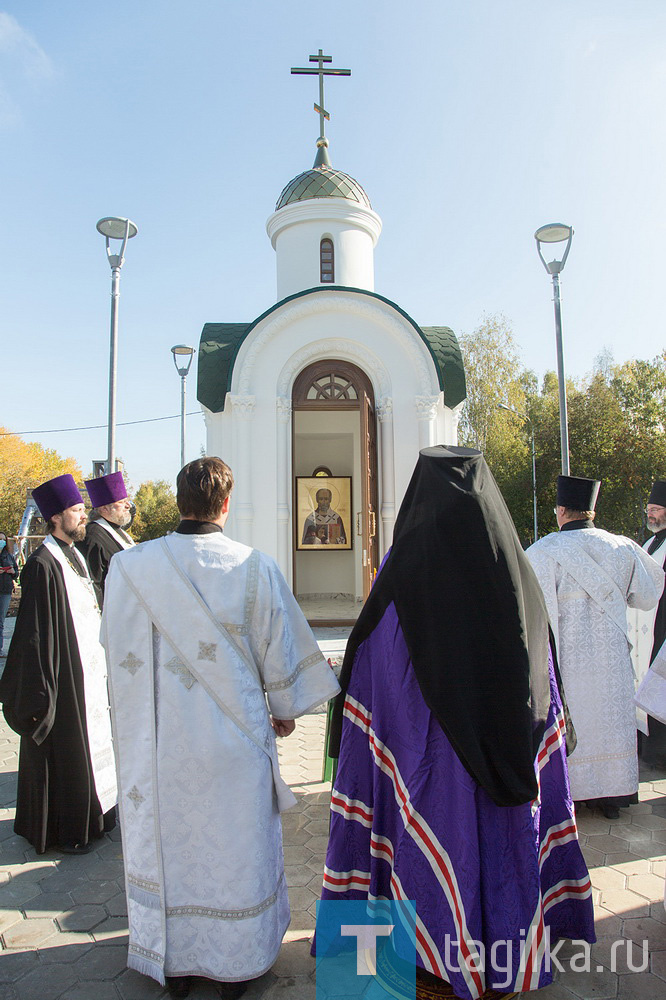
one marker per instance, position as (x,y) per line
(54,691)
(653,747)
(105,531)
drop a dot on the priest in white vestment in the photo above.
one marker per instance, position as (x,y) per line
(589,577)
(209,658)
(647,629)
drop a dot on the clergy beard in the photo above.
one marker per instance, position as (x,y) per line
(654,525)
(76,534)
(122,523)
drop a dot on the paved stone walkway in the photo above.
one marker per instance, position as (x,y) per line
(63,919)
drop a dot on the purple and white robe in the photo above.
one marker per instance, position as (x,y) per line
(409,822)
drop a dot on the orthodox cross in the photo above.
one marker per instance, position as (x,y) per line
(320,59)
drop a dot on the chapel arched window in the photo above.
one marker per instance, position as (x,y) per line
(326,262)
(330,384)
(331,388)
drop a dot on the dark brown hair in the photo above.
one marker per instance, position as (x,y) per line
(202,487)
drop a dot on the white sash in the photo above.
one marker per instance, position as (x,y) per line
(640,629)
(192,635)
(589,575)
(226,692)
(651,694)
(116,533)
(86,618)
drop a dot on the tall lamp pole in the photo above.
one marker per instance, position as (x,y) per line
(523,416)
(113,228)
(558,233)
(182,359)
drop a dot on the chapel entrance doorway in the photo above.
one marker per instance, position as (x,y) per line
(335,502)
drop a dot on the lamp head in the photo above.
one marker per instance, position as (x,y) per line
(183,354)
(554,232)
(115,228)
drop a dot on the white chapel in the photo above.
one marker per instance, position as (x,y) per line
(321,404)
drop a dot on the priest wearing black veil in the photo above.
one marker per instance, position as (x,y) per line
(54,690)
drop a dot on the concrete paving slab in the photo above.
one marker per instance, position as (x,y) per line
(76,908)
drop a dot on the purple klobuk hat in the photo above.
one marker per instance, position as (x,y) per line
(56,495)
(106,489)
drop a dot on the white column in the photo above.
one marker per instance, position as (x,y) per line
(452,418)
(386,449)
(426,409)
(242,408)
(283,486)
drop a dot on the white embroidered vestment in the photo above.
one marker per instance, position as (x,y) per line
(640,629)
(588,577)
(193,662)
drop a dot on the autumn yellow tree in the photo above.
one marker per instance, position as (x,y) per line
(23,466)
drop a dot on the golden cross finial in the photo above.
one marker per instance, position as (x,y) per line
(321,72)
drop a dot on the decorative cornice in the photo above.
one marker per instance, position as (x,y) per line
(283,404)
(426,407)
(372,310)
(385,408)
(243,406)
(346,350)
(222,343)
(322,210)
(208,416)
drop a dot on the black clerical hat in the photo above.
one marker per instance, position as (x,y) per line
(577,493)
(658,493)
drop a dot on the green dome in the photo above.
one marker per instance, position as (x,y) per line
(322,182)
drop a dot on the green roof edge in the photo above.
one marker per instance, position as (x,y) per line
(454,393)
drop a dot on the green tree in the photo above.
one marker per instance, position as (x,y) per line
(23,466)
(156,510)
(495,376)
(615,434)
(616,429)
(641,390)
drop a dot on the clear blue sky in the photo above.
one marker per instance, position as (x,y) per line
(469,123)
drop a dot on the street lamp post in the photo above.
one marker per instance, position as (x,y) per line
(558,233)
(523,416)
(113,228)
(183,354)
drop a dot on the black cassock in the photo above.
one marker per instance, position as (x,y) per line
(42,691)
(660,619)
(97,548)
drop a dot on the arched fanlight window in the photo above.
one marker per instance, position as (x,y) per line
(326,262)
(331,387)
(330,384)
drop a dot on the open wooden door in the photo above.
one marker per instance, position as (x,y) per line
(335,440)
(369,540)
